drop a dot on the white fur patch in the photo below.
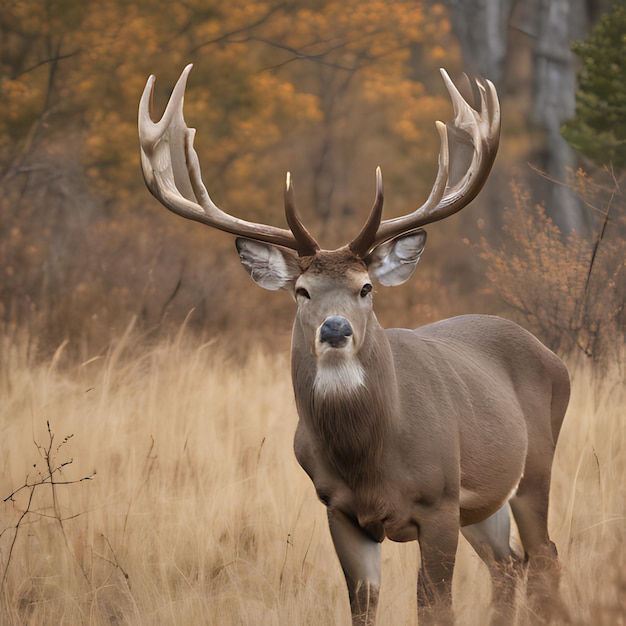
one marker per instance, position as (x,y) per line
(340,377)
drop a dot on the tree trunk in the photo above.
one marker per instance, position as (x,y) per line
(524,47)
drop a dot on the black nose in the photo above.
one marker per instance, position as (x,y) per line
(335,331)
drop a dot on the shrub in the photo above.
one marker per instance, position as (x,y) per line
(566,288)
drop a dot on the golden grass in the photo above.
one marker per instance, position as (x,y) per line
(199,513)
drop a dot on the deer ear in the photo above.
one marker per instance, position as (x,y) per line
(269,266)
(393,262)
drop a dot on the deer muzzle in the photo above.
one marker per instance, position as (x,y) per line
(335,331)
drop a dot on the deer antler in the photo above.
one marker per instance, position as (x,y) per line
(480,128)
(172,173)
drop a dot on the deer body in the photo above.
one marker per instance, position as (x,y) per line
(406,434)
(420,436)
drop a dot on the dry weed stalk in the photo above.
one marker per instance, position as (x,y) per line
(46,477)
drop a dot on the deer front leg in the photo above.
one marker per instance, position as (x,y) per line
(438,538)
(359,556)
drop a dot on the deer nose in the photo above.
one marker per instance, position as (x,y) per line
(335,331)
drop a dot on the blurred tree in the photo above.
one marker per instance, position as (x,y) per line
(36,44)
(524,47)
(356,59)
(598,129)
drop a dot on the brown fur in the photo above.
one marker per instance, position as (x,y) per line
(335,263)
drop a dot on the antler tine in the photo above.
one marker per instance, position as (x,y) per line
(361,244)
(481,127)
(307,244)
(172,173)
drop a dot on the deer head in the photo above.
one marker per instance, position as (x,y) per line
(333,289)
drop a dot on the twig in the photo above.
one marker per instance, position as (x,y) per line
(14,540)
(48,454)
(115,561)
(561,183)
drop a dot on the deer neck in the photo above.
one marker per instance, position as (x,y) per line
(351,418)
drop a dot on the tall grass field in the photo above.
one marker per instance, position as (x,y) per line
(158,486)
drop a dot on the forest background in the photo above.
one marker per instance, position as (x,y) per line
(325,90)
(145,463)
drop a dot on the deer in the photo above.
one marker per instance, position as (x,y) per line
(406,434)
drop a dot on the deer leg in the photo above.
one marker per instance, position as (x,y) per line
(359,556)
(491,541)
(438,539)
(530,509)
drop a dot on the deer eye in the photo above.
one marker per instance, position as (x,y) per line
(301,291)
(367,288)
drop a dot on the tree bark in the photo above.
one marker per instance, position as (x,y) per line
(523,46)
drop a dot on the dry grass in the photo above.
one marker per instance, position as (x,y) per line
(199,514)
